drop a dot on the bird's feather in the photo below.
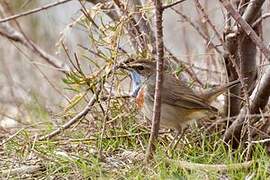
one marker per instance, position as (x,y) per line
(178,94)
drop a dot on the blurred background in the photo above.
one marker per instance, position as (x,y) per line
(65,105)
(28,83)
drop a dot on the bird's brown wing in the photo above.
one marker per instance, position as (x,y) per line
(177,93)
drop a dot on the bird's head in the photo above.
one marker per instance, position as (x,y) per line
(144,68)
(139,71)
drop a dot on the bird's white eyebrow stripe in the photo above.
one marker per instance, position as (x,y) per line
(139,64)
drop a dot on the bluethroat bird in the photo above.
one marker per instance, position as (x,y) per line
(179,103)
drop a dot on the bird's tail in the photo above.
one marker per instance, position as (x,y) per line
(212,94)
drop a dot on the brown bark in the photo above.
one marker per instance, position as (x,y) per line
(261,93)
(231,57)
(242,50)
(159,79)
(260,97)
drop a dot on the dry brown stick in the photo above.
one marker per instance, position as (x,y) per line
(261,141)
(259,100)
(187,69)
(75,119)
(210,167)
(206,17)
(106,116)
(106,137)
(159,79)
(34,11)
(22,170)
(259,20)
(12,136)
(246,27)
(209,42)
(7,31)
(261,92)
(172,4)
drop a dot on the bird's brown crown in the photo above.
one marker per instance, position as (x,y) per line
(142,67)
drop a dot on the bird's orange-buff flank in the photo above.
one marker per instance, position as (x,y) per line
(140,99)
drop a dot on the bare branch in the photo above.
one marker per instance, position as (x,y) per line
(10,33)
(246,27)
(34,10)
(209,42)
(259,99)
(75,119)
(252,10)
(259,20)
(159,79)
(22,170)
(231,57)
(172,4)
(7,31)
(210,167)
(207,19)
(261,92)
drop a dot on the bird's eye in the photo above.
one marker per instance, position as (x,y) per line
(140,68)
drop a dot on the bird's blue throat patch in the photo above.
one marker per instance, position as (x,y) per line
(136,82)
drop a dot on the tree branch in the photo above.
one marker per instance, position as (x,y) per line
(261,93)
(172,4)
(16,16)
(7,31)
(246,27)
(259,99)
(75,119)
(159,79)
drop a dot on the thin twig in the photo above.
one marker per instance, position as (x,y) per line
(259,20)
(9,32)
(75,119)
(12,136)
(246,27)
(159,79)
(261,141)
(106,137)
(33,11)
(207,19)
(22,170)
(172,4)
(209,42)
(210,167)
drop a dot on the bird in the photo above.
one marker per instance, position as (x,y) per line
(180,105)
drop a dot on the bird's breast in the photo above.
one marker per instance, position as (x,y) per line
(140,98)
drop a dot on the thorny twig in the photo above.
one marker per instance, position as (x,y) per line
(22,170)
(33,11)
(261,92)
(209,42)
(246,27)
(210,167)
(172,4)
(159,79)
(66,141)
(207,19)
(75,119)
(9,32)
